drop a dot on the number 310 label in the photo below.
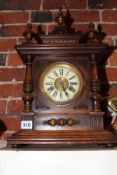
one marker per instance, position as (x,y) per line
(26,124)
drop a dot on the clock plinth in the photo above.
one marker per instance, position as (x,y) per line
(60,139)
(62,94)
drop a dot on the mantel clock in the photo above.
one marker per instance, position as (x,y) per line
(62,89)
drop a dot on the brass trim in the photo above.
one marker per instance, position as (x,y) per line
(112,102)
(70,67)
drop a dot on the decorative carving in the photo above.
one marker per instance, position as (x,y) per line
(61,122)
(66,40)
(83,103)
(64,23)
(96,123)
(38,105)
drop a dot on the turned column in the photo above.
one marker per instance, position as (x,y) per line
(28,85)
(95,85)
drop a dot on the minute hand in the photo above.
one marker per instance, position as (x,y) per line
(66,93)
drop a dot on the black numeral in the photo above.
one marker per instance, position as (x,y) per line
(55,73)
(72,77)
(50,89)
(61,71)
(49,83)
(67,95)
(61,95)
(72,89)
(67,73)
(73,83)
(55,94)
(51,78)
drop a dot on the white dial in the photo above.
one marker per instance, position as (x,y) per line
(61,83)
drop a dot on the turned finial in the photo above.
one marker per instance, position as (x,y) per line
(92,33)
(60,18)
(28,34)
(100,34)
(68,20)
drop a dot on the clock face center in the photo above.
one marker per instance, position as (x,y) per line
(61,84)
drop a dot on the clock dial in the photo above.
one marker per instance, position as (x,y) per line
(61,83)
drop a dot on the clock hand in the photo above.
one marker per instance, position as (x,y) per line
(62,84)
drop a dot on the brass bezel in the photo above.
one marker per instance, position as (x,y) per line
(111,103)
(62,64)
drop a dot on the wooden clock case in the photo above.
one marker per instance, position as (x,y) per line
(64,126)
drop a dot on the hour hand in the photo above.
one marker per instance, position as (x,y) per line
(66,93)
(62,85)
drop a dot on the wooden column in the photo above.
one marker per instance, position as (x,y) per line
(95,84)
(28,85)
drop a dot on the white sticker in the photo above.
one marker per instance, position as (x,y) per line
(26,124)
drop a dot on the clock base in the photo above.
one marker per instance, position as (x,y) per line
(61,139)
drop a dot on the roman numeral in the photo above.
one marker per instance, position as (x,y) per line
(72,77)
(49,83)
(61,95)
(50,89)
(67,95)
(67,73)
(51,78)
(73,83)
(55,73)
(61,71)
(72,89)
(55,94)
